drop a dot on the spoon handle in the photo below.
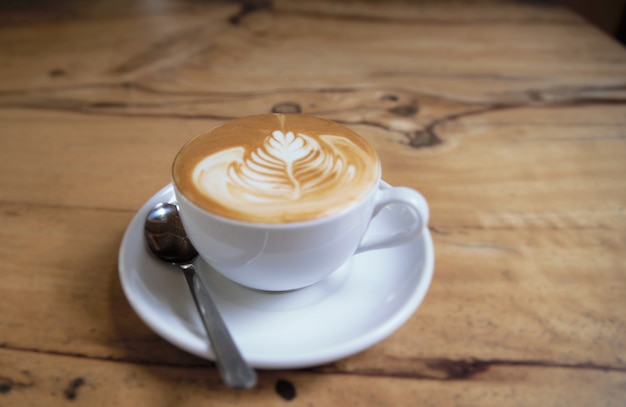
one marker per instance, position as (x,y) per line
(231,365)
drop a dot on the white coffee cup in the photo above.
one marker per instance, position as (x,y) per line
(289,255)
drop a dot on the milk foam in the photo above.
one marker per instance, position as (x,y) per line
(288,172)
(276,168)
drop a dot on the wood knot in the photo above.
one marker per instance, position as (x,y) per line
(57,72)
(70,392)
(249,7)
(287,107)
(404,110)
(6,385)
(285,389)
(423,138)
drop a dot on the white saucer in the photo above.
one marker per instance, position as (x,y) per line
(356,307)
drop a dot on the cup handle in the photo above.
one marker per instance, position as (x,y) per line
(407,197)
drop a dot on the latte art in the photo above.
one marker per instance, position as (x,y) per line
(289,173)
(286,168)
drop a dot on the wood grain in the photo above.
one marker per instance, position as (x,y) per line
(83,381)
(510,117)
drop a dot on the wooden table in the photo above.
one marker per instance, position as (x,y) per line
(510,117)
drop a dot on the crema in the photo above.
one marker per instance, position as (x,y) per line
(276,168)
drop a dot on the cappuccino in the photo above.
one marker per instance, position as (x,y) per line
(276,168)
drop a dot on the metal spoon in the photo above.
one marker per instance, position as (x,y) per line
(168,240)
